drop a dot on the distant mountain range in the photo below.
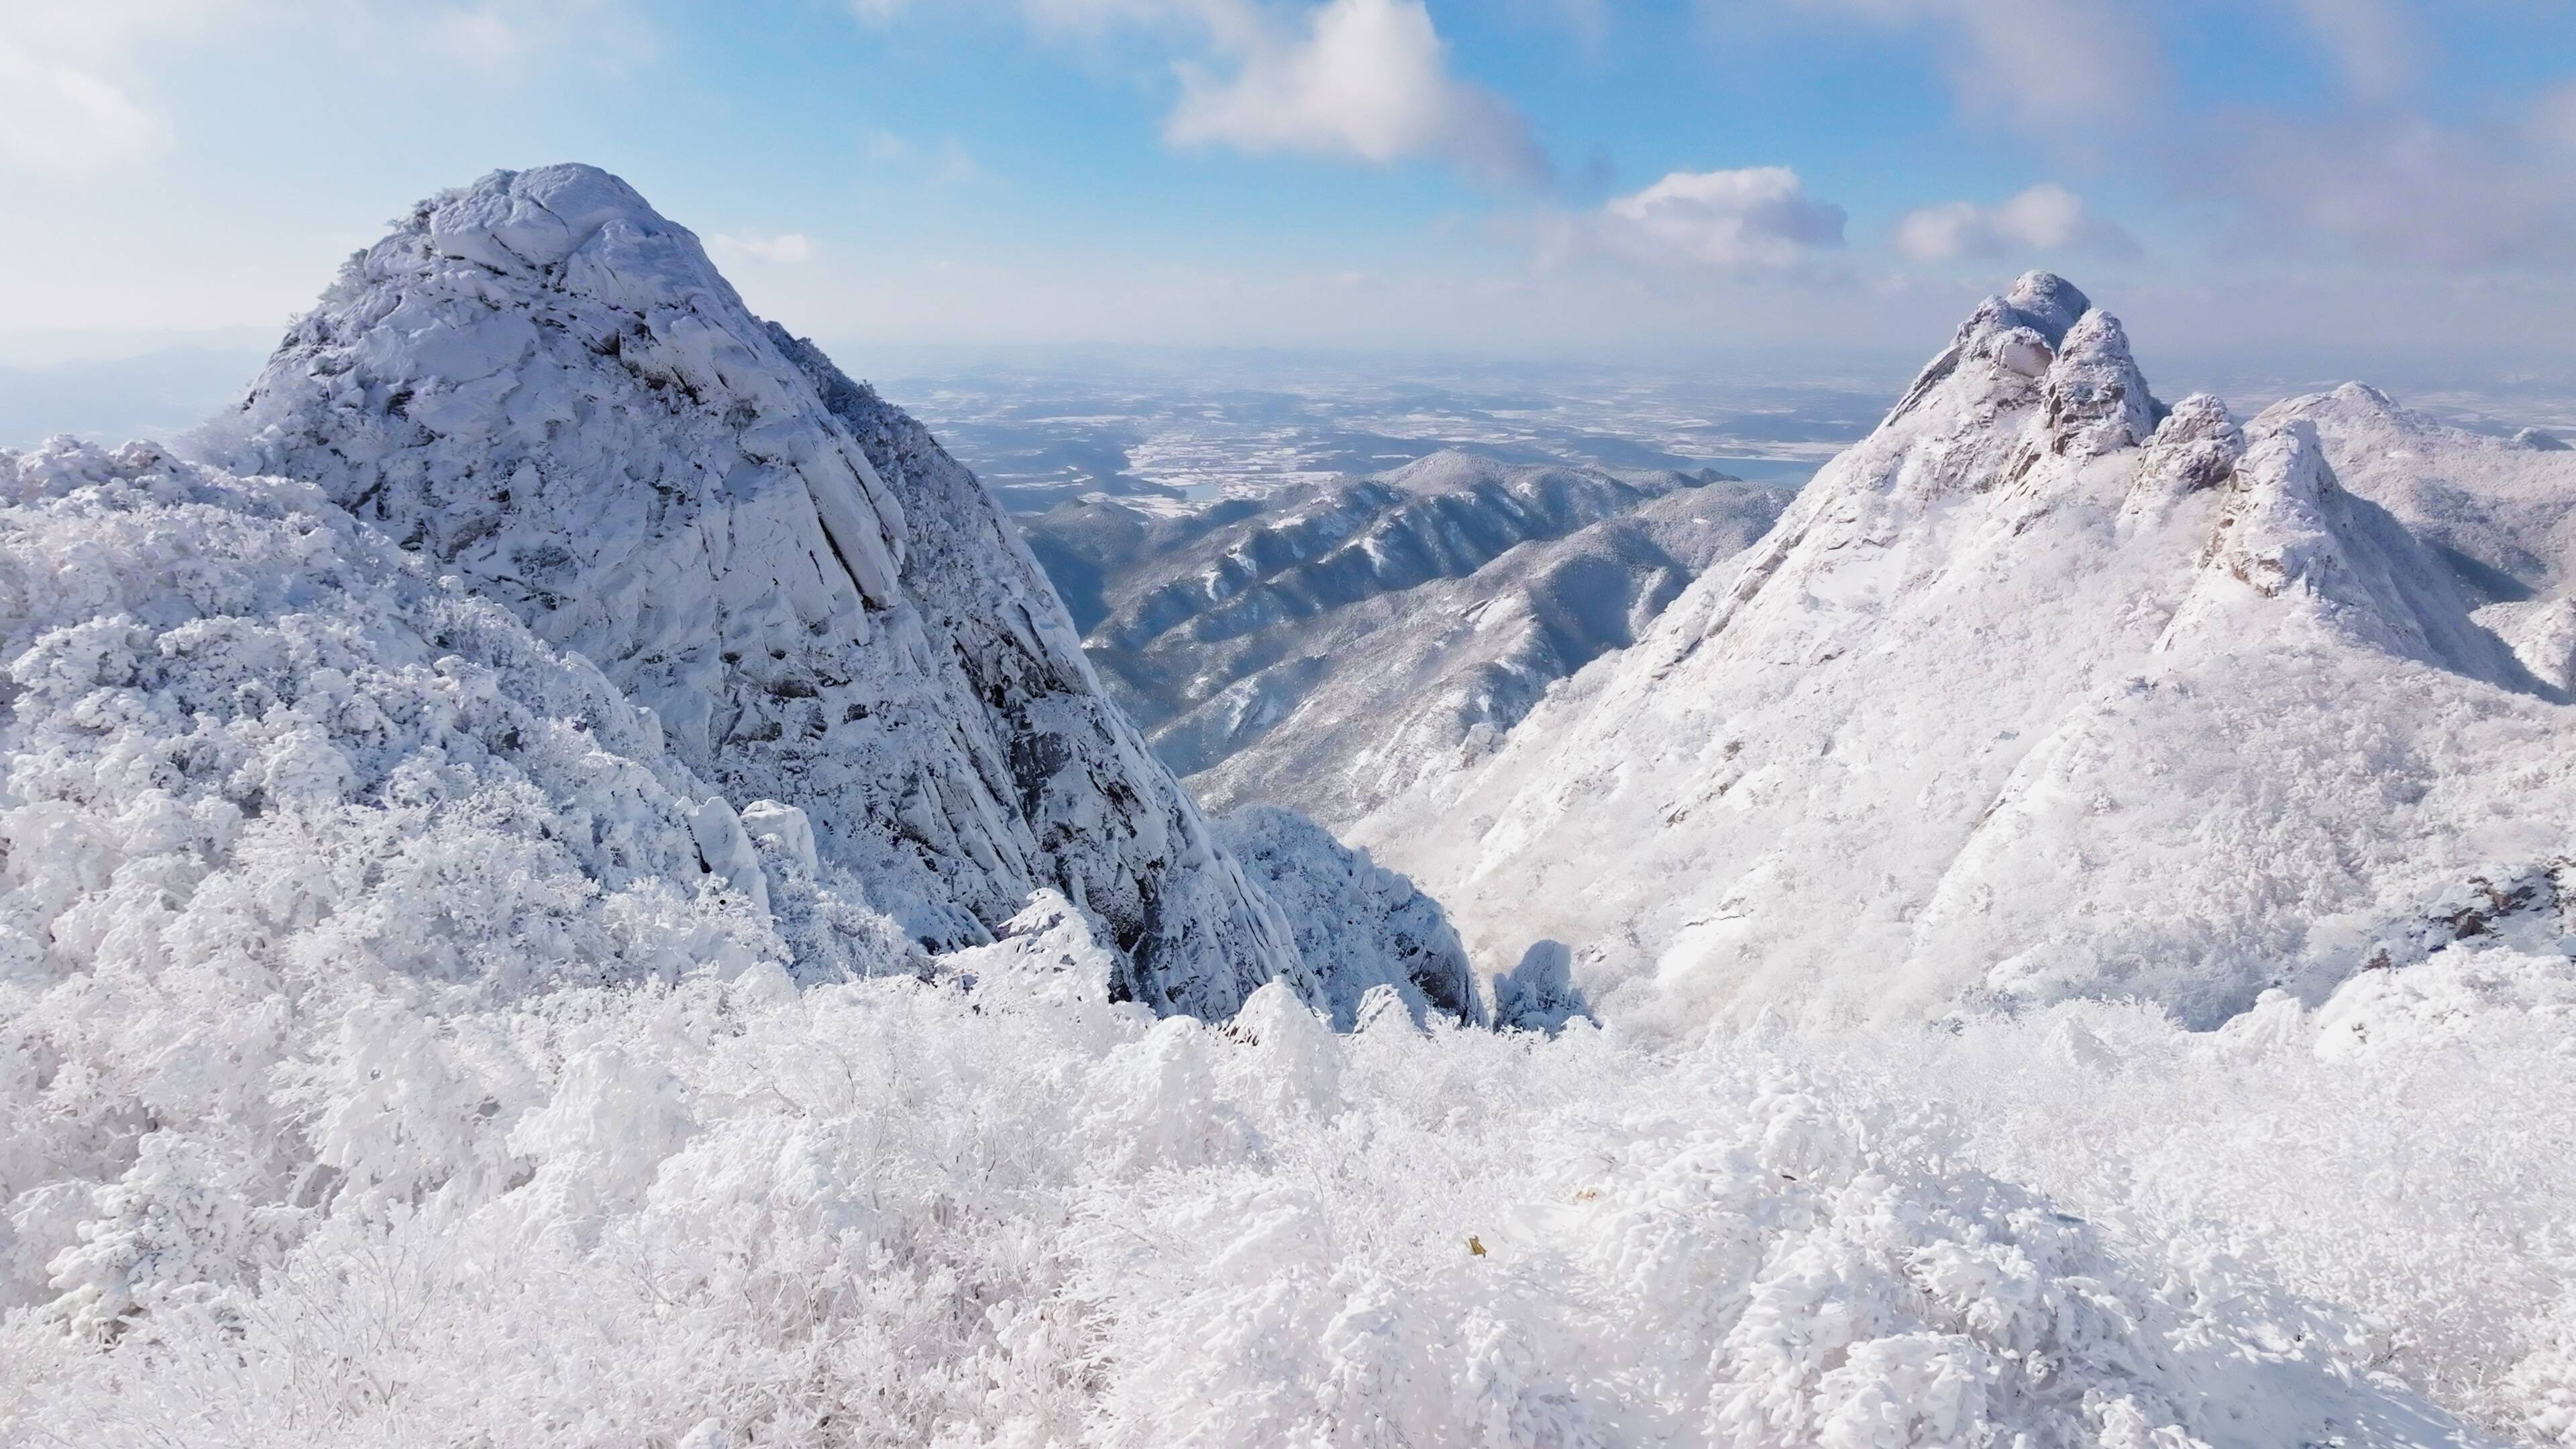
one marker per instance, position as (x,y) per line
(1322,645)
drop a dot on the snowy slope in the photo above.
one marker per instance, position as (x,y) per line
(287,1179)
(2041,690)
(546,387)
(1360,927)
(1322,653)
(2501,512)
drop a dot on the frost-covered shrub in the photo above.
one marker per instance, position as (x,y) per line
(2400,1150)
(278,808)
(995,1207)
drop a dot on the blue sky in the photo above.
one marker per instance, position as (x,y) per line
(1531,177)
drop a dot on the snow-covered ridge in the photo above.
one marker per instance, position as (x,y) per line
(2043,689)
(1323,653)
(2291,535)
(546,387)
(1404,684)
(1442,516)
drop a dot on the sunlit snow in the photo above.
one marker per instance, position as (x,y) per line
(571,884)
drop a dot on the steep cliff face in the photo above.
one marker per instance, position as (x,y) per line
(546,387)
(2044,689)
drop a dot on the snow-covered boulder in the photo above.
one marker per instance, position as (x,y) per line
(1359,925)
(544,387)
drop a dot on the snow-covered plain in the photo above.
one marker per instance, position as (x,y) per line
(409,1043)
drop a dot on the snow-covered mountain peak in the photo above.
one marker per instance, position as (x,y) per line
(2038,371)
(2289,533)
(2275,532)
(534,221)
(1448,471)
(466,369)
(2017,332)
(1969,718)
(549,390)
(2047,302)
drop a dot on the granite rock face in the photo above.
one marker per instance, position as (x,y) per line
(547,389)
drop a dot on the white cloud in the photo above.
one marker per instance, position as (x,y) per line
(59,118)
(1232,24)
(2062,70)
(2046,217)
(954,164)
(2373,41)
(69,99)
(2552,123)
(2364,178)
(481,38)
(77,79)
(945,162)
(1368,80)
(1756,219)
(785,249)
(501,35)
(2074,73)
(1363,80)
(2400,188)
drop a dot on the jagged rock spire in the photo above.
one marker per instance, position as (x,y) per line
(2289,534)
(2095,401)
(2042,342)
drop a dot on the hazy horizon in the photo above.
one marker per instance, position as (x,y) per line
(1005,410)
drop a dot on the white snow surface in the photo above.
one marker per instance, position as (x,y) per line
(392,1062)
(396,1055)
(546,388)
(276,804)
(2043,691)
